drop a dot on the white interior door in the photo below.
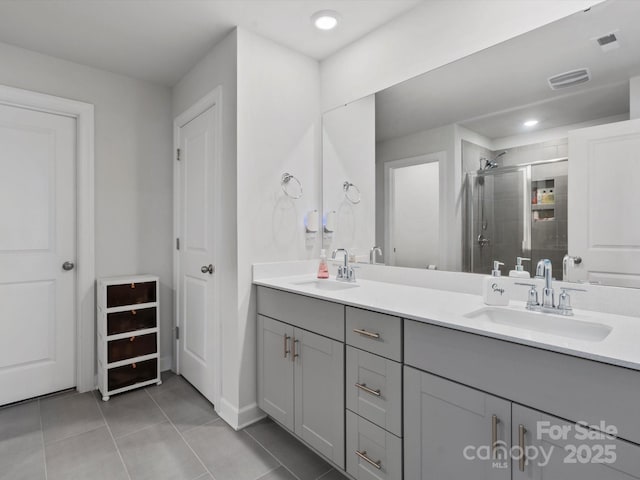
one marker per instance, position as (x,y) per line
(413,211)
(37,235)
(604,180)
(196,266)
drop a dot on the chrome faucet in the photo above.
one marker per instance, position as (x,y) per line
(345,272)
(544,270)
(372,254)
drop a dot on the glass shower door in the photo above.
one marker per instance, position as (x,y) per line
(499,217)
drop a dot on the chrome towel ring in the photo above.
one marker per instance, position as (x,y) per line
(351,192)
(285,181)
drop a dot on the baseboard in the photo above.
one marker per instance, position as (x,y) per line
(239,418)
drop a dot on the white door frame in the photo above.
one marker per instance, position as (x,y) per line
(83,113)
(212,98)
(389,257)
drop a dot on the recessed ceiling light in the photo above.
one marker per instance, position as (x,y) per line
(530,123)
(325,19)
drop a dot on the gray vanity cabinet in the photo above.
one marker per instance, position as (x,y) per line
(450,428)
(301,373)
(275,375)
(568,456)
(319,393)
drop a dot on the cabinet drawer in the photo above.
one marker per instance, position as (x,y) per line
(127,375)
(372,453)
(131,294)
(374,332)
(131,347)
(320,316)
(122,322)
(374,389)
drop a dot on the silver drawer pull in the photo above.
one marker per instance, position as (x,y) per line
(363,456)
(363,386)
(522,461)
(366,334)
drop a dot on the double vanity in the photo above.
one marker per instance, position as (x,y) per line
(391,381)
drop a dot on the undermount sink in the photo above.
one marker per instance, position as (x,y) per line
(543,322)
(327,285)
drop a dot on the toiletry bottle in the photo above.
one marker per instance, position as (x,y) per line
(495,288)
(323,269)
(520,272)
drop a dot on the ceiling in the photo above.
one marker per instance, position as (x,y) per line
(160,40)
(494,91)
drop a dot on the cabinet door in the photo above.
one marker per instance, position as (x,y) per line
(555,449)
(449,430)
(275,370)
(319,393)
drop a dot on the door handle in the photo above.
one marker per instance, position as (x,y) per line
(494,435)
(522,461)
(68,266)
(207,269)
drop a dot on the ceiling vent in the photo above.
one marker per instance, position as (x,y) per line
(569,79)
(608,42)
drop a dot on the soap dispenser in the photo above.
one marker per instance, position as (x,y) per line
(495,289)
(520,272)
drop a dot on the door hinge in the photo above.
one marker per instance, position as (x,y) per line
(177,244)
(177,333)
(178,154)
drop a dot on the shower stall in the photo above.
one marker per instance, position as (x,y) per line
(516,211)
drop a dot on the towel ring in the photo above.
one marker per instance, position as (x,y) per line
(284,183)
(351,192)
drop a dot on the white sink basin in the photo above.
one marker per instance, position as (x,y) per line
(326,285)
(570,327)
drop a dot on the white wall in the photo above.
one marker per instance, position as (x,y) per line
(219,68)
(431,35)
(133,179)
(634,97)
(278,131)
(348,154)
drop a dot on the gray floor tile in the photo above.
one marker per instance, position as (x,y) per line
(22,456)
(19,420)
(333,475)
(229,455)
(290,452)
(182,403)
(89,455)
(130,412)
(69,415)
(280,473)
(158,453)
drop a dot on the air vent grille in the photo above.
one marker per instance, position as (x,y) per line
(569,79)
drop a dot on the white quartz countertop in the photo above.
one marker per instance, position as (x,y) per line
(448,309)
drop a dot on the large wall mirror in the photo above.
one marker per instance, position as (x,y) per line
(475,161)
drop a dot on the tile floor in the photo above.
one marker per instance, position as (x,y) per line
(161,432)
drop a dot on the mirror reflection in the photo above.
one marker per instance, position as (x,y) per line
(492,157)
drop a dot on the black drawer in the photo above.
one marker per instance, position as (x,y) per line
(131,320)
(134,346)
(127,375)
(131,294)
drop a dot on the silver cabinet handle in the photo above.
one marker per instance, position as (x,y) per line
(494,435)
(523,459)
(207,269)
(363,387)
(365,333)
(286,341)
(295,350)
(68,266)
(363,455)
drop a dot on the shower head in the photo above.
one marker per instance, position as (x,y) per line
(493,163)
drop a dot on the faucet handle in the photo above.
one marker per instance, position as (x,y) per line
(564,300)
(532,299)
